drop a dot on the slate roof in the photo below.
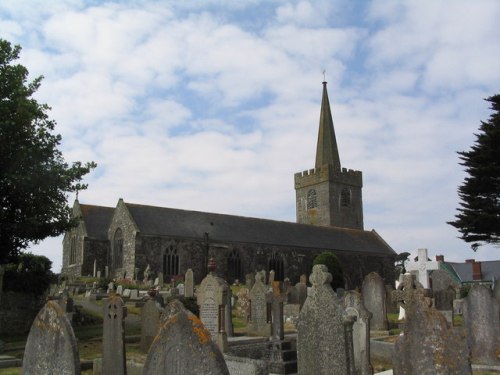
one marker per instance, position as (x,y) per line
(160,221)
(97,220)
(490,270)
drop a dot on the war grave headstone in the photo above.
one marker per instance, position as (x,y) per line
(428,345)
(353,304)
(422,267)
(189,284)
(323,329)
(51,347)
(184,346)
(259,324)
(212,299)
(150,324)
(373,292)
(113,343)
(481,320)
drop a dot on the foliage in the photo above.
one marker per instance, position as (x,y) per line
(478,219)
(34,178)
(331,261)
(32,274)
(400,262)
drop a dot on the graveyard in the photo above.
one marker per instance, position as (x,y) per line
(262,326)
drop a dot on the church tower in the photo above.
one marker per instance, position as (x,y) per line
(329,195)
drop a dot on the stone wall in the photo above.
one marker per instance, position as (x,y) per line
(17,312)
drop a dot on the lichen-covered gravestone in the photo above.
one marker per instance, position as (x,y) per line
(113,343)
(323,342)
(428,345)
(184,346)
(259,324)
(51,347)
(374,299)
(150,324)
(353,304)
(481,315)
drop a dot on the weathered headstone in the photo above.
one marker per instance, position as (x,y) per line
(160,279)
(481,319)
(353,304)
(51,347)
(249,280)
(259,323)
(443,301)
(119,289)
(126,293)
(441,280)
(111,287)
(150,324)
(422,267)
(301,288)
(184,346)
(275,300)
(373,292)
(189,284)
(243,306)
(323,342)
(98,274)
(113,343)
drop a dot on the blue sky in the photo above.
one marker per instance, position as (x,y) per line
(214,105)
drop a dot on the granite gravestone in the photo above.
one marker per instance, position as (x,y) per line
(373,292)
(353,304)
(184,346)
(323,345)
(422,267)
(481,319)
(150,324)
(189,284)
(113,343)
(428,345)
(259,324)
(51,347)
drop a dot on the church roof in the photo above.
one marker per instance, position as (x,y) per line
(160,221)
(97,220)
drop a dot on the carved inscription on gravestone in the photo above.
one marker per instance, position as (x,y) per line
(209,316)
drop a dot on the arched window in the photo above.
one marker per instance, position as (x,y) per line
(234,270)
(276,264)
(170,262)
(345,197)
(72,250)
(118,249)
(312,201)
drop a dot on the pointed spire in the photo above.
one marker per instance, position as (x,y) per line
(326,151)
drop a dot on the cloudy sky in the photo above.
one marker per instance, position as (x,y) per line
(214,105)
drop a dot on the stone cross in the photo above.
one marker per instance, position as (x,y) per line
(405,294)
(275,300)
(113,341)
(423,266)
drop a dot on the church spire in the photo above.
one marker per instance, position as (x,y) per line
(326,151)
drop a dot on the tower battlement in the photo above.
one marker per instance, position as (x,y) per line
(328,173)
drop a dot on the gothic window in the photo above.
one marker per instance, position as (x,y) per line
(276,264)
(118,249)
(234,270)
(345,197)
(72,251)
(312,201)
(170,262)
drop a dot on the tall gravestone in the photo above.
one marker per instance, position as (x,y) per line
(184,346)
(481,319)
(374,299)
(259,323)
(323,342)
(189,284)
(113,343)
(275,300)
(51,347)
(428,345)
(212,299)
(422,267)
(441,280)
(150,324)
(353,304)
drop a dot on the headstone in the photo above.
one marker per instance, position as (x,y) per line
(243,307)
(181,289)
(150,324)
(428,345)
(481,319)
(146,274)
(51,347)
(119,289)
(373,292)
(160,279)
(422,267)
(126,293)
(441,280)
(95,268)
(275,300)
(111,287)
(184,346)
(98,274)
(189,284)
(392,308)
(134,294)
(323,342)
(157,281)
(271,277)
(301,288)
(353,304)
(113,343)
(212,299)
(249,280)
(259,323)
(443,301)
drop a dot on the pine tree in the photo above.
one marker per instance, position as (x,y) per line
(478,219)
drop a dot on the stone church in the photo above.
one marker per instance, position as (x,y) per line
(125,239)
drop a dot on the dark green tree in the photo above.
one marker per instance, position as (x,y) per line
(34,178)
(478,218)
(331,261)
(400,261)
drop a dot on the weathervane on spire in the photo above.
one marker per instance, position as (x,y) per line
(324,75)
